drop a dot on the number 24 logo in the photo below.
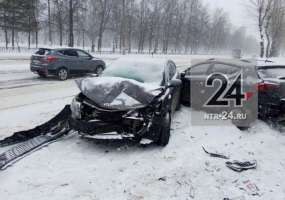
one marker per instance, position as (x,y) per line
(224,94)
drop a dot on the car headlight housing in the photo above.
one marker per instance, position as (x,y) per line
(75,109)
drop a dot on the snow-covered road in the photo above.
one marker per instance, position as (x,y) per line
(80,169)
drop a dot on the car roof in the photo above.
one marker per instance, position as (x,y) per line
(62,49)
(231,61)
(59,49)
(270,62)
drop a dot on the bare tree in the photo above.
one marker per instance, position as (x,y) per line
(104,14)
(155,26)
(49,22)
(263,11)
(71,36)
(276,29)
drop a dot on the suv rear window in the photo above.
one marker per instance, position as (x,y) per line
(43,52)
(272,72)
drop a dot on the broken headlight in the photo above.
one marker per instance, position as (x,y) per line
(75,109)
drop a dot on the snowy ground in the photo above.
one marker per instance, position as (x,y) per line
(80,169)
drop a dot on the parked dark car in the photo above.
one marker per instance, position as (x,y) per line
(271,89)
(64,62)
(216,97)
(133,98)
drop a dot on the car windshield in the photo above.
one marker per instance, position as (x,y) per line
(144,71)
(272,72)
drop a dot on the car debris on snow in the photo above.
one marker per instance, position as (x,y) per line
(162,179)
(250,188)
(241,166)
(236,198)
(216,155)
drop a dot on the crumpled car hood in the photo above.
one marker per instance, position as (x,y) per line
(118,93)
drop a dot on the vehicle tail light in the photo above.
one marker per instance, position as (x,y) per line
(264,87)
(50,59)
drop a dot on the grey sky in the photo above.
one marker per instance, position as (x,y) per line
(238,12)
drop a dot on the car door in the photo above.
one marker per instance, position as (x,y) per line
(230,73)
(70,60)
(84,62)
(196,76)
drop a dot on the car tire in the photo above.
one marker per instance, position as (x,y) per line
(99,70)
(242,125)
(62,74)
(178,106)
(165,130)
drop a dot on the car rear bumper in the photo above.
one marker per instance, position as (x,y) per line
(39,69)
(42,70)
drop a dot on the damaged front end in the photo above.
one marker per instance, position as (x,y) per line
(92,121)
(117,108)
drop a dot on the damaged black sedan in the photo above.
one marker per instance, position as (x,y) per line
(133,99)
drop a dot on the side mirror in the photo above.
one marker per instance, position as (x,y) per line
(174,83)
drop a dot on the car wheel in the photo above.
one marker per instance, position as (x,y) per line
(62,74)
(244,124)
(165,130)
(178,106)
(99,70)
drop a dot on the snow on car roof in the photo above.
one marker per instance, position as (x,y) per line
(270,62)
(230,61)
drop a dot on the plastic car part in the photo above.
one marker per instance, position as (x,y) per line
(43,129)
(21,150)
(241,166)
(34,139)
(216,155)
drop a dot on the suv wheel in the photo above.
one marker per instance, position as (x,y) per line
(62,74)
(99,70)
(165,130)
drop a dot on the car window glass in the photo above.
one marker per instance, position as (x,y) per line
(70,53)
(225,69)
(82,54)
(198,70)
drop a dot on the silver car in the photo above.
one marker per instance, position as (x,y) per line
(64,62)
